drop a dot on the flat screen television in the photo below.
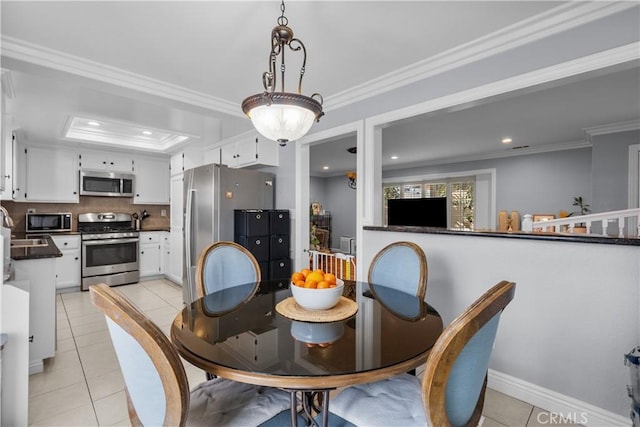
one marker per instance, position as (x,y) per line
(427,212)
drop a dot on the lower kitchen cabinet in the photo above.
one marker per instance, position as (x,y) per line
(174,262)
(68,267)
(150,253)
(40,275)
(166,252)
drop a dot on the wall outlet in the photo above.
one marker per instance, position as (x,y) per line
(31,210)
(163,212)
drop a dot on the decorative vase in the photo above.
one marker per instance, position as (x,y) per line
(515,221)
(502,221)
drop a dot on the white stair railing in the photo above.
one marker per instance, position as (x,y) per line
(342,265)
(623,218)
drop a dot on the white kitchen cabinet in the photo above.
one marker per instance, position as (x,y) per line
(51,175)
(68,267)
(151,185)
(177,199)
(14,315)
(7,161)
(174,264)
(250,151)
(150,253)
(5,144)
(41,275)
(106,161)
(19,179)
(166,252)
(191,157)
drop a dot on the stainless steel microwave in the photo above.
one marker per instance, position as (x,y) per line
(101,183)
(48,222)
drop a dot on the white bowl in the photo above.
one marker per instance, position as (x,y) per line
(317,299)
(317,333)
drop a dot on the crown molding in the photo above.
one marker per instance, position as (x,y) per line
(611,128)
(554,21)
(57,60)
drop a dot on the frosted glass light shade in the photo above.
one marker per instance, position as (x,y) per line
(282,116)
(282,122)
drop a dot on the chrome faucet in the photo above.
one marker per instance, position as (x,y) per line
(6,219)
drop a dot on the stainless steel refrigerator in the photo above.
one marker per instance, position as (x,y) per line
(211,194)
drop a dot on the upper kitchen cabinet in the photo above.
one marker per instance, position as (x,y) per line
(106,161)
(189,158)
(6,161)
(250,151)
(46,174)
(152,180)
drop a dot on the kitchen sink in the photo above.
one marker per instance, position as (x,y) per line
(28,243)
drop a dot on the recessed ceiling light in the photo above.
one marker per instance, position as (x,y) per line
(146,132)
(93,123)
(507,140)
(325,168)
(394,157)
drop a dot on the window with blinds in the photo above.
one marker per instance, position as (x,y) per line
(460,193)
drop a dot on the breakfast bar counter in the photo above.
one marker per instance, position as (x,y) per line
(547,236)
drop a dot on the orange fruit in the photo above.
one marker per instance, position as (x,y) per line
(305,272)
(315,276)
(330,278)
(333,285)
(318,270)
(311,284)
(297,276)
(299,283)
(323,285)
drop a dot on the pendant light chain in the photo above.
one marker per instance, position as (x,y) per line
(283,116)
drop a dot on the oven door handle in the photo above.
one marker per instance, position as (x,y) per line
(109,241)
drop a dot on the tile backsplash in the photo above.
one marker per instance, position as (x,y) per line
(17,211)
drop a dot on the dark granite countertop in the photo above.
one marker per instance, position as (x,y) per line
(576,238)
(37,252)
(154,229)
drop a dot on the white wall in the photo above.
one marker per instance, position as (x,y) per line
(574,316)
(535,183)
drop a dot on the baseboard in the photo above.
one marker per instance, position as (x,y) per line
(556,403)
(35,367)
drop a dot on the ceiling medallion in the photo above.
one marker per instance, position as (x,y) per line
(283,116)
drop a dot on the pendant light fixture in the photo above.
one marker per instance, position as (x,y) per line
(283,116)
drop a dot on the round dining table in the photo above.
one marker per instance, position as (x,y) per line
(241,334)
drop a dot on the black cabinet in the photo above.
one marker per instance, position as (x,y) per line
(266,234)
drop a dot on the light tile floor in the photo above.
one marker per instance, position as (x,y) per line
(83,386)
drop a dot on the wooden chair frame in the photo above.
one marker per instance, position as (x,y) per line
(424,269)
(200,288)
(450,344)
(156,344)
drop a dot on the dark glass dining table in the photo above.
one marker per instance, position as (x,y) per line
(239,334)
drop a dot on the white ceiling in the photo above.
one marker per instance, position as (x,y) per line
(186,66)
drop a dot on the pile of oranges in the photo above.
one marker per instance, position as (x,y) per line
(316,279)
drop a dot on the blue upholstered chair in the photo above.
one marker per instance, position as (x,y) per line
(454,381)
(156,383)
(401,304)
(401,266)
(223,265)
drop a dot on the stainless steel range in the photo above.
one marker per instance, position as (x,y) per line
(109,249)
